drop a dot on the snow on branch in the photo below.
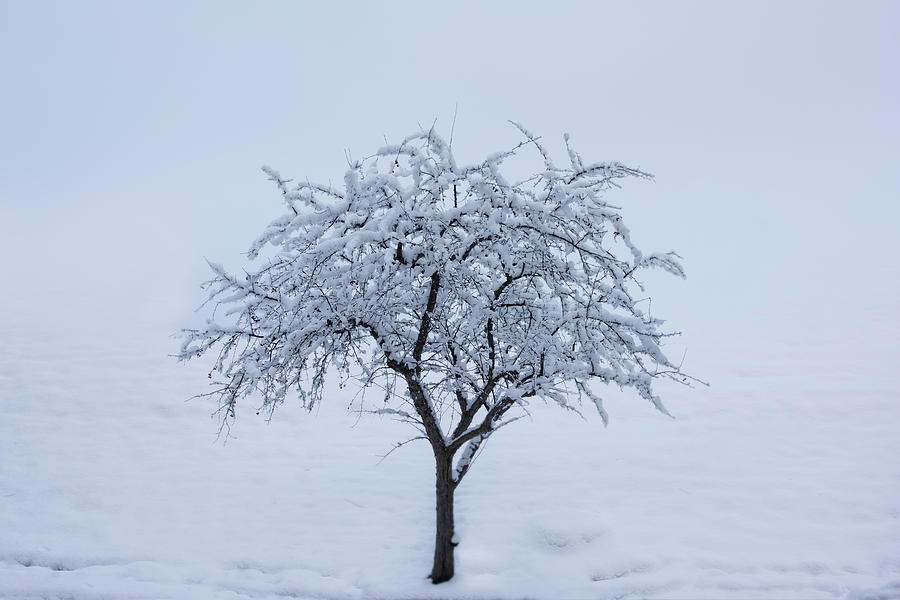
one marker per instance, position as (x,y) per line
(478,294)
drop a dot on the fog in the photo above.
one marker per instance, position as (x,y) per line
(131,140)
(133,136)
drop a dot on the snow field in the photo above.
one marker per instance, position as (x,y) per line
(771,484)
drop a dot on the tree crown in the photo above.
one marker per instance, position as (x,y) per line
(474,291)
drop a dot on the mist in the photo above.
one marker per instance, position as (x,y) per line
(133,136)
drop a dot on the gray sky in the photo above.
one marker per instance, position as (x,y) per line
(132,135)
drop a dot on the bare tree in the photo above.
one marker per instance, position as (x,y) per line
(461,294)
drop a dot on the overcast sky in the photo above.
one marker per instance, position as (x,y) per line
(131,136)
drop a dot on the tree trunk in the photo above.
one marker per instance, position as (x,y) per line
(443,541)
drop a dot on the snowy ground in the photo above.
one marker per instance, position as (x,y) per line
(780,481)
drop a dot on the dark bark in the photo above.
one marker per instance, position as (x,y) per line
(443,541)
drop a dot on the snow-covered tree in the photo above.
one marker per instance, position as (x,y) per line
(460,293)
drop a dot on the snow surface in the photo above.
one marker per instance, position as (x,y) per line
(782,480)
